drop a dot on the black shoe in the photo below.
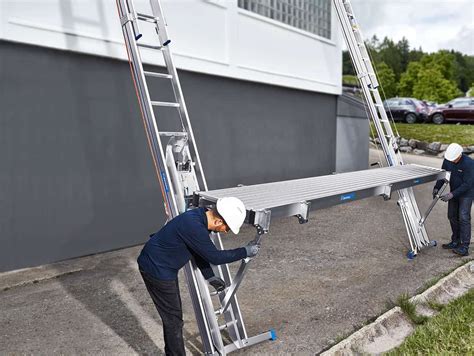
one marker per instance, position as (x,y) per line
(450,246)
(461,251)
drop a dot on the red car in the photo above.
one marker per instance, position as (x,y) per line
(457,110)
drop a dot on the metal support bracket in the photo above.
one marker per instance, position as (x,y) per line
(260,219)
(128,17)
(303,216)
(232,290)
(433,203)
(386,192)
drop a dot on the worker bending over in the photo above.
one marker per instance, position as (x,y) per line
(185,237)
(460,198)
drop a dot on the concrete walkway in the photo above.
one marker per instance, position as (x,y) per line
(311,282)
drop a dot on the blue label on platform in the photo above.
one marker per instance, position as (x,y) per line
(349,196)
(165,184)
(417,181)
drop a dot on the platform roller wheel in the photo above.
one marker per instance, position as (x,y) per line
(433,243)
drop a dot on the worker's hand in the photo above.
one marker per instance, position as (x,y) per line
(447,197)
(252,248)
(217,283)
(435,192)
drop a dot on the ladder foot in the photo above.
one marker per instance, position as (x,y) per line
(433,243)
(273,335)
(411,255)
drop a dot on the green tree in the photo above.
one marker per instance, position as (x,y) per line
(432,85)
(470,92)
(409,79)
(445,61)
(387,79)
(391,55)
(347,66)
(403,47)
(374,43)
(469,69)
(415,55)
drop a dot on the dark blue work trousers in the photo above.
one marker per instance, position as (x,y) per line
(459,215)
(167,300)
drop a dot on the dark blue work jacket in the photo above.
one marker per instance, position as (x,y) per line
(184,237)
(462,177)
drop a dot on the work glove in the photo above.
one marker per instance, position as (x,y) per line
(252,248)
(435,192)
(217,283)
(447,197)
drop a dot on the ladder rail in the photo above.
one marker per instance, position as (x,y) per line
(213,342)
(360,56)
(363,75)
(195,284)
(146,110)
(233,316)
(183,111)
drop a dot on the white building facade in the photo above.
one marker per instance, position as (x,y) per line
(275,42)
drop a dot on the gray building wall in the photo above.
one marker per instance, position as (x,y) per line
(352,149)
(77,176)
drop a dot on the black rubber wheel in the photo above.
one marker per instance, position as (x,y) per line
(438,119)
(410,118)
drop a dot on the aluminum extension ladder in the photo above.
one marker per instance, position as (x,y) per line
(417,234)
(180,173)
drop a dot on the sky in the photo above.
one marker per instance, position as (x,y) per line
(431,24)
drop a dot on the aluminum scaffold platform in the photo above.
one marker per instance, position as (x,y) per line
(183,184)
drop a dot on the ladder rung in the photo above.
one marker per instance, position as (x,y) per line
(158,75)
(225,326)
(165,103)
(146,17)
(148,46)
(146,20)
(184,134)
(384,121)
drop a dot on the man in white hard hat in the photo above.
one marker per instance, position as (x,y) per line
(182,238)
(459,199)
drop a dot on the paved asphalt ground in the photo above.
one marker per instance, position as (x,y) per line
(312,283)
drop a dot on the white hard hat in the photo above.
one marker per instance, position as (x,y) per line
(453,152)
(232,211)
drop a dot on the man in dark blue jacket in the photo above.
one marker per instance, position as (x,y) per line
(460,198)
(185,237)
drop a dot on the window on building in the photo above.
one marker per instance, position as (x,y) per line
(308,15)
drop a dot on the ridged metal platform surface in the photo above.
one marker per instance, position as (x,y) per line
(332,190)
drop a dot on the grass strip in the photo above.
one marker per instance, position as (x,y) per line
(409,308)
(446,133)
(451,332)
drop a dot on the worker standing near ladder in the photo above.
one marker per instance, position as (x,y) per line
(459,199)
(185,237)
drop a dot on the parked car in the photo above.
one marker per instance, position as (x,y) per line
(457,110)
(431,105)
(409,110)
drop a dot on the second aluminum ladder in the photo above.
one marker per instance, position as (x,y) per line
(417,234)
